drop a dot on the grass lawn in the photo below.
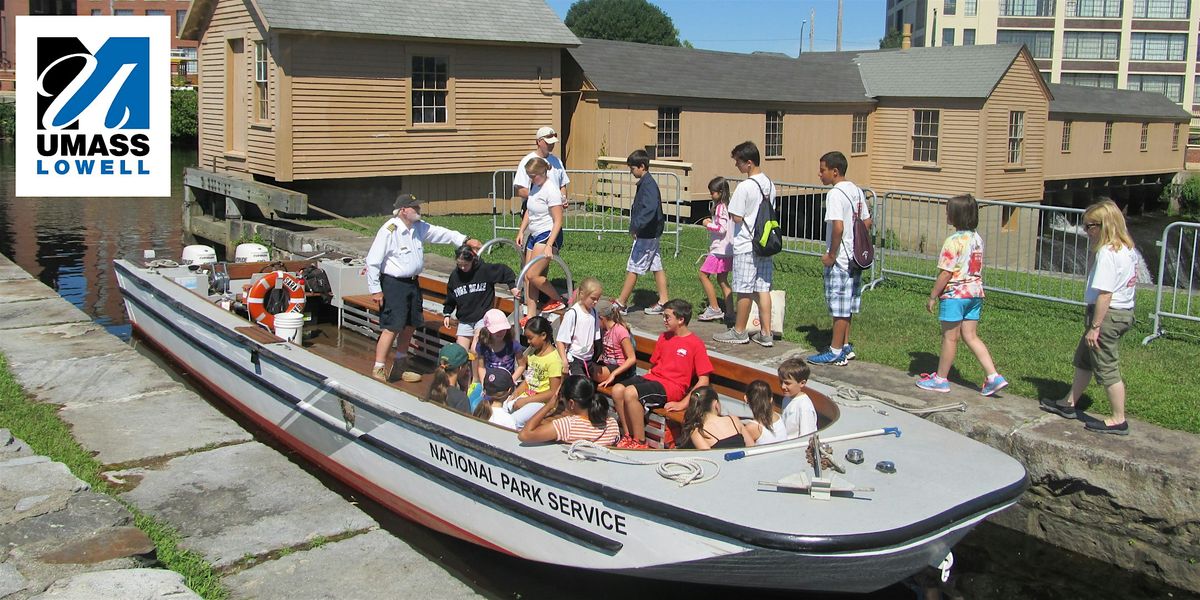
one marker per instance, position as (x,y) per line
(1032,341)
(39,426)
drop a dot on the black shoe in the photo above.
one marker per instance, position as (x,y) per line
(1052,406)
(1121,428)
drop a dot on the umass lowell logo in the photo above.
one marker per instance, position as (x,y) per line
(93,107)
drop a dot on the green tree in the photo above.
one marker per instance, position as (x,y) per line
(891,40)
(183,114)
(622,20)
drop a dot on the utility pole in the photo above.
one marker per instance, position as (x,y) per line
(801,49)
(812,26)
(839,27)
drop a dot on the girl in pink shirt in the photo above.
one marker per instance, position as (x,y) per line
(720,251)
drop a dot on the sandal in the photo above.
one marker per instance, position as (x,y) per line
(1062,410)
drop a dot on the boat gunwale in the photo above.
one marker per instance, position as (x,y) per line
(929,527)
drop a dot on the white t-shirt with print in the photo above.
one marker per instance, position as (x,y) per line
(744,203)
(556,175)
(538,208)
(840,203)
(1114,271)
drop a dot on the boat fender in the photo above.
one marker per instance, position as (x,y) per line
(255,298)
(885,466)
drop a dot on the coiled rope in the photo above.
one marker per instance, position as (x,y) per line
(684,471)
(164,263)
(851,397)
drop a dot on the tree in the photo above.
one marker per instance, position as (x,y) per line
(622,20)
(891,40)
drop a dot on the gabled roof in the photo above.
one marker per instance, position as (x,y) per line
(498,21)
(644,69)
(940,72)
(1105,104)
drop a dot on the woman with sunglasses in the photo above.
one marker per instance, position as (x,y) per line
(1111,282)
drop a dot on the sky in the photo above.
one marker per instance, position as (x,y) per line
(769,25)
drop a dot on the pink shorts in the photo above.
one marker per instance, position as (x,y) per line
(715,265)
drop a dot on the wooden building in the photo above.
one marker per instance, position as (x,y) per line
(350,100)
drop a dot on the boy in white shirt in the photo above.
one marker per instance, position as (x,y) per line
(843,279)
(753,275)
(799,415)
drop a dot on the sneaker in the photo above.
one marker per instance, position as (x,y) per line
(1121,428)
(731,336)
(848,352)
(933,383)
(1062,410)
(624,442)
(380,373)
(655,309)
(621,308)
(641,445)
(764,340)
(523,321)
(828,357)
(553,306)
(711,314)
(994,385)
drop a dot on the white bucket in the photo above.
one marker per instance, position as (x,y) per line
(289,326)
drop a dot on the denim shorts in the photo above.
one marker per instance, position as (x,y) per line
(953,310)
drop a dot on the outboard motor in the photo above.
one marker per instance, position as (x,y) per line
(251,253)
(198,255)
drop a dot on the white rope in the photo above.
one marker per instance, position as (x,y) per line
(851,397)
(684,471)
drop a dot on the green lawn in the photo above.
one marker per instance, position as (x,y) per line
(39,426)
(1032,341)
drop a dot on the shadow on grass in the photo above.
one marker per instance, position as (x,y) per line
(927,362)
(816,338)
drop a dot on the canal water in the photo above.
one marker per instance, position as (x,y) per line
(69,244)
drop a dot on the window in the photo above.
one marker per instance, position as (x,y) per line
(1170,86)
(1027,8)
(123,12)
(1108,136)
(949,7)
(154,12)
(1016,136)
(774,134)
(1066,137)
(1110,9)
(260,81)
(1091,45)
(968,37)
(97,12)
(925,136)
(1145,143)
(970,7)
(430,89)
(1038,42)
(947,37)
(1107,81)
(180,17)
(1160,9)
(1157,46)
(668,133)
(858,133)
(1174,137)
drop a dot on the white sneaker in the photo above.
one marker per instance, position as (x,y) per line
(711,314)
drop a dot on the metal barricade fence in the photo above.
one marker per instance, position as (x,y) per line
(1030,249)
(1178,277)
(801,209)
(598,202)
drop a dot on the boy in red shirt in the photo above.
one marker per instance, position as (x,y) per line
(679,357)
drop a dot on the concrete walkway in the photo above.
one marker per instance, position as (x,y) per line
(1130,501)
(238,503)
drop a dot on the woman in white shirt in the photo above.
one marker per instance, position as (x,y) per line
(544,221)
(1110,295)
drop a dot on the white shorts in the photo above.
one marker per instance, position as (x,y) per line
(752,273)
(644,256)
(468,329)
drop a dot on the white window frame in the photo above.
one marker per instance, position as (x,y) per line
(1066,137)
(926,129)
(1016,136)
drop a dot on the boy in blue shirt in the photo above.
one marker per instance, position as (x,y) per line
(646,222)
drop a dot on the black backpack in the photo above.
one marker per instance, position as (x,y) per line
(768,235)
(316,280)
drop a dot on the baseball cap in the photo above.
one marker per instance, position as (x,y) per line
(497,381)
(548,133)
(606,308)
(453,356)
(495,321)
(405,200)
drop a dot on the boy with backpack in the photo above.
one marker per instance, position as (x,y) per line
(846,254)
(753,267)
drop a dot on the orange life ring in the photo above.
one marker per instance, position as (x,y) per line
(258,293)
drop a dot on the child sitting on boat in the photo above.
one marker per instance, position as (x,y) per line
(579,331)
(584,417)
(705,427)
(450,379)
(471,291)
(799,415)
(497,386)
(545,372)
(679,358)
(766,427)
(497,347)
(619,363)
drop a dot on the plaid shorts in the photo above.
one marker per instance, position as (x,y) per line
(644,256)
(843,291)
(752,273)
